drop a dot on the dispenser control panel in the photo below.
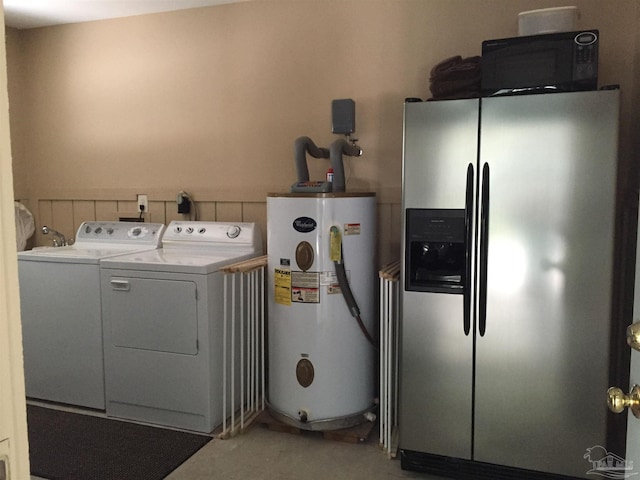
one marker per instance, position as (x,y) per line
(435,250)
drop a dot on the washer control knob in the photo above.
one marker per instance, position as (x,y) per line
(136,232)
(202,230)
(110,231)
(87,229)
(189,230)
(233,231)
(177,229)
(98,230)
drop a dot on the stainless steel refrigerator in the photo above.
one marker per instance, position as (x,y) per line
(506,296)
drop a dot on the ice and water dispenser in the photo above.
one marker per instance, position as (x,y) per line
(436,253)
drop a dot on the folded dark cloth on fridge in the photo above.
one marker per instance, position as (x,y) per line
(456,77)
(447,87)
(456,67)
(445,65)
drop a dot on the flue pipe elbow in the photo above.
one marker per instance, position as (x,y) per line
(338,148)
(303,145)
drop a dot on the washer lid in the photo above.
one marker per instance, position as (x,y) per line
(201,261)
(78,254)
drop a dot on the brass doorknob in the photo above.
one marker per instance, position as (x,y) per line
(633,336)
(617,401)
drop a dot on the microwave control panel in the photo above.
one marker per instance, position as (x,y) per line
(586,56)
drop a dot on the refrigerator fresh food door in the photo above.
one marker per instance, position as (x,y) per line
(440,152)
(543,359)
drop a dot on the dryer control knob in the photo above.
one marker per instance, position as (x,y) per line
(189,230)
(233,231)
(177,229)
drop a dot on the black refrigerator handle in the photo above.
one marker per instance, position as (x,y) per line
(468,254)
(484,251)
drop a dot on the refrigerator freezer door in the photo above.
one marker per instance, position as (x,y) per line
(435,397)
(440,141)
(436,368)
(552,165)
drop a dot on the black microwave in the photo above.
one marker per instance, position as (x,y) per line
(556,62)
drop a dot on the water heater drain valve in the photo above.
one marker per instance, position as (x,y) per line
(304,416)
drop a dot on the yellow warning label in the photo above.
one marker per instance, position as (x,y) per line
(335,245)
(282,284)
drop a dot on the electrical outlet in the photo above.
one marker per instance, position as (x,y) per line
(184,203)
(143,203)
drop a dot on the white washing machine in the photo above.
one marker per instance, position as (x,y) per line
(163,324)
(61,313)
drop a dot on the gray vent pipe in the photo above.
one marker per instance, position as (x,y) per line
(338,148)
(302,146)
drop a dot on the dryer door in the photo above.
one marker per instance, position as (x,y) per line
(154,314)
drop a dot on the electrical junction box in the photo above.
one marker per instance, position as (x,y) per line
(343,116)
(184,204)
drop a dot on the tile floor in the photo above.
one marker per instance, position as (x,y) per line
(262,454)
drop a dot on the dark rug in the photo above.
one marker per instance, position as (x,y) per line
(70,446)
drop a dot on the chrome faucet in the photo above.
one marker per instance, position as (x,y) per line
(59,241)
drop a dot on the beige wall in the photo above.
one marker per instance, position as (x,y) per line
(211,100)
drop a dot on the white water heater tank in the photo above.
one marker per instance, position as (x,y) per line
(321,365)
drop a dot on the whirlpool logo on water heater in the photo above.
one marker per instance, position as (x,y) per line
(304,224)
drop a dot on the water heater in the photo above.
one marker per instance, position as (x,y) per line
(321,363)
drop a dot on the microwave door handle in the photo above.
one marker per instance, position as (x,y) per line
(468,254)
(484,250)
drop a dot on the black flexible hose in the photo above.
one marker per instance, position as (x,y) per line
(341,274)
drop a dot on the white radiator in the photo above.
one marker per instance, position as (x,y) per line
(244,345)
(389,303)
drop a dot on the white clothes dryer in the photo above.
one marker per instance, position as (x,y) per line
(61,312)
(163,324)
